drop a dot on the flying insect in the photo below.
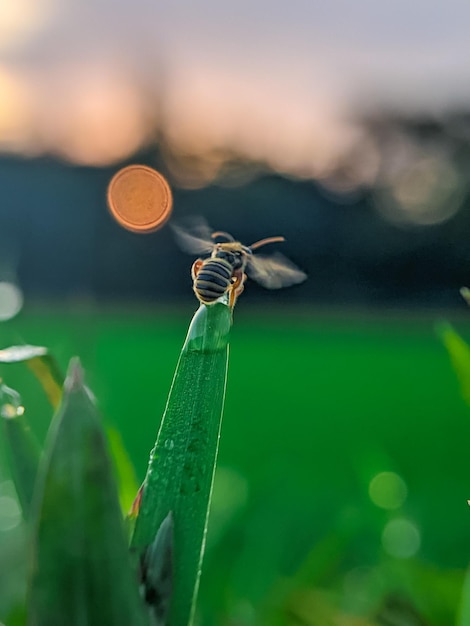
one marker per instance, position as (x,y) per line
(230,262)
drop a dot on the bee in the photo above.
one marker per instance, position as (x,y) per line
(230,262)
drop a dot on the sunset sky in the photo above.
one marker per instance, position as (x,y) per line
(275,82)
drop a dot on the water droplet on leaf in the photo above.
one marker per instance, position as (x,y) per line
(10,402)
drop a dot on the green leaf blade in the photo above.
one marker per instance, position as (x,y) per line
(463,617)
(459,353)
(81,571)
(125,473)
(23,453)
(22,448)
(182,463)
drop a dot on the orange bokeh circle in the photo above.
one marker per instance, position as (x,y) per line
(140,198)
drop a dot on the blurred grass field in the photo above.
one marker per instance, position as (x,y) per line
(317,406)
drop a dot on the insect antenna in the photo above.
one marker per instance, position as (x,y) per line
(263,242)
(222,233)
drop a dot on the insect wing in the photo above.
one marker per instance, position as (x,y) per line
(275,271)
(194,237)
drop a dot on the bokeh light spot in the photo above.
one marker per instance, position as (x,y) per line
(420,188)
(11,300)
(140,199)
(388,490)
(401,538)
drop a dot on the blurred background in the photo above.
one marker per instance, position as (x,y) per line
(343,481)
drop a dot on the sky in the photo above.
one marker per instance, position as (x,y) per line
(281,83)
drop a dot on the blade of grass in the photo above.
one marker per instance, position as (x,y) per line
(81,572)
(465,293)
(42,364)
(47,371)
(128,484)
(22,448)
(459,353)
(463,617)
(182,463)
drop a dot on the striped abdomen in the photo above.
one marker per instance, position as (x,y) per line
(213,279)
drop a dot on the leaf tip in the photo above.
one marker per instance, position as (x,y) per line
(75,375)
(465,293)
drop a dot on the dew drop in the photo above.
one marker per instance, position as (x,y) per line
(11,300)
(10,402)
(169,444)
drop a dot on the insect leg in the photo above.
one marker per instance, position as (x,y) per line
(196,267)
(237,287)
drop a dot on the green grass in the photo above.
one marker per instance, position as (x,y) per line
(182,464)
(315,407)
(80,566)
